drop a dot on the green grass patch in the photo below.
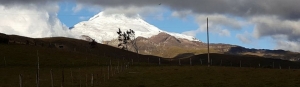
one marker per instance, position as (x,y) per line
(201,76)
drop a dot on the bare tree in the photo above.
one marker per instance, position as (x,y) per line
(93,43)
(133,40)
(127,38)
(122,39)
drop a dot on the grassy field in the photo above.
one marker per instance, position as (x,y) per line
(22,59)
(202,76)
(153,76)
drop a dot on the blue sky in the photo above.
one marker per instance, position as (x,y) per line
(168,23)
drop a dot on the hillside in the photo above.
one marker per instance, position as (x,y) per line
(60,46)
(168,46)
(163,45)
(82,46)
(275,54)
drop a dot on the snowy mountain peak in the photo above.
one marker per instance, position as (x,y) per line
(103,27)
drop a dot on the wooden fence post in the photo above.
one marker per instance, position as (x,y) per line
(100,75)
(51,76)
(108,72)
(98,61)
(115,70)
(38,70)
(104,77)
(190,61)
(72,79)
(20,79)
(5,62)
(110,62)
(36,80)
(179,62)
(201,61)
(132,61)
(138,62)
(112,71)
(118,66)
(279,66)
(211,62)
(97,80)
(273,65)
(121,67)
(80,77)
(86,80)
(240,63)
(221,62)
(92,80)
(63,78)
(85,61)
(159,61)
(127,66)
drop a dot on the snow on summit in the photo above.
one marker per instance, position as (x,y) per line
(103,27)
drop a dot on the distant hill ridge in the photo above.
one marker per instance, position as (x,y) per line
(163,45)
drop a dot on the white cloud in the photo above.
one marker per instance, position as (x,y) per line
(288,45)
(286,33)
(217,23)
(84,18)
(191,33)
(129,11)
(272,25)
(245,38)
(220,20)
(159,17)
(77,8)
(182,14)
(32,20)
(224,32)
(132,11)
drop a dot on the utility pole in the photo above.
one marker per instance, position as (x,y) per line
(208,59)
(38,70)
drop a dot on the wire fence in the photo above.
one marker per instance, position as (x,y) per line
(94,74)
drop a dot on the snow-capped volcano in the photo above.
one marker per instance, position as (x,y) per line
(103,27)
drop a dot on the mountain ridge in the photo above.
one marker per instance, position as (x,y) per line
(154,41)
(72,45)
